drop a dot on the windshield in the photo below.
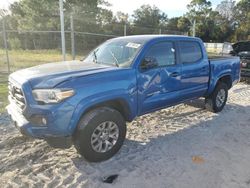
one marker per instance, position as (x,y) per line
(115,53)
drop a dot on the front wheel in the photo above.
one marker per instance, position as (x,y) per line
(217,100)
(100,134)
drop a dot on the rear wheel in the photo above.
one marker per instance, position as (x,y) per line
(100,134)
(217,100)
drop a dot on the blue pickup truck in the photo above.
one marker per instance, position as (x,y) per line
(88,102)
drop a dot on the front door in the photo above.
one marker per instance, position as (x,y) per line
(158,87)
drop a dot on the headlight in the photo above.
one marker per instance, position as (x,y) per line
(51,95)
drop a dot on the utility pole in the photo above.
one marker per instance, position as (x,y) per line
(194,25)
(72,34)
(125,29)
(6,46)
(62,29)
(160,31)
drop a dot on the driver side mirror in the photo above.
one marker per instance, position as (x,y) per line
(149,63)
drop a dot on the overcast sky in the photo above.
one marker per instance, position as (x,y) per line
(171,7)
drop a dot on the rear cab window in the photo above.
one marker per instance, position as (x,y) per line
(190,52)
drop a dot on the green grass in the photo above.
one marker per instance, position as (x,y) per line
(3,91)
(3,96)
(27,58)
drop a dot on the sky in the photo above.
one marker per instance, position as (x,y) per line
(172,8)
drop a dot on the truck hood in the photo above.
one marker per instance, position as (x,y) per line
(51,74)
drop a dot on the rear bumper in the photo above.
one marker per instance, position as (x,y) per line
(54,138)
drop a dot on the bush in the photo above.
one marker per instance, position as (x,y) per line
(15,43)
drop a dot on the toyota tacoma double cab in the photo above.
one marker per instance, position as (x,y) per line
(87,103)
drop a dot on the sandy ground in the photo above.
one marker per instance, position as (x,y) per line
(182,146)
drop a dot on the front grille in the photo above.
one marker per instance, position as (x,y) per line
(246,62)
(16,95)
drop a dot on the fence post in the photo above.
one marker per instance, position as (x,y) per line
(6,46)
(160,31)
(62,29)
(72,35)
(194,25)
(125,30)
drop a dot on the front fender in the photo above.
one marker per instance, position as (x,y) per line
(128,97)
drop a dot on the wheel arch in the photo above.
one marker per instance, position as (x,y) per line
(224,78)
(120,104)
(227,79)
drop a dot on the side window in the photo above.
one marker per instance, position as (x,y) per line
(190,52)
(163,52)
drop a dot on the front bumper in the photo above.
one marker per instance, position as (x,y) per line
(54,137)
(56,130)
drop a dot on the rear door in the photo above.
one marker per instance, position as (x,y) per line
(195,70)
(159,87)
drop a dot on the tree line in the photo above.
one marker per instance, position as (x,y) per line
(230,21)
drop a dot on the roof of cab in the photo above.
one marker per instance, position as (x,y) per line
(147,38)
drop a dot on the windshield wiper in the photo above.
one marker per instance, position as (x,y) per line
(95,57)
(116,61)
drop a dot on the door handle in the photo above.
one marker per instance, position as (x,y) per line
(174,74)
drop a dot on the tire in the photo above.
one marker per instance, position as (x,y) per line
(96,122)
(216,102)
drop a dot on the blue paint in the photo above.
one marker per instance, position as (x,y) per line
(140,91)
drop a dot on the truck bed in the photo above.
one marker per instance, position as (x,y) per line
(221,66)
(217,57)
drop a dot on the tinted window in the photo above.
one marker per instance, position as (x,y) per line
(190,52)
(163,52)
(241,47)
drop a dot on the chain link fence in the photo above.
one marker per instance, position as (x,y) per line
(33,46)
